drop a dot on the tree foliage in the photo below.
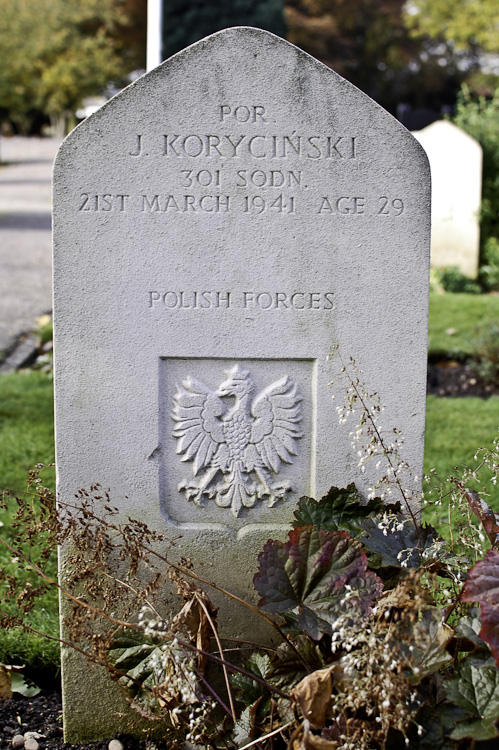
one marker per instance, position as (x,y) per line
(462,22)
(369,44)
(468,27)
(480,118)
(55,53)
(187,21)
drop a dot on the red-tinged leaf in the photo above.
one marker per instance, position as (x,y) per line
(316,577)
(489,519)
(482,586)
(490,628)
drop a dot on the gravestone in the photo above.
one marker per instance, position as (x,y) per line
(456,178)
(220,226)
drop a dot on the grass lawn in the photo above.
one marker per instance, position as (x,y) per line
(26,438)
(455,428)
(461,313)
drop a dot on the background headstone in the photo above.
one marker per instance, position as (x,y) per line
(219,226)
(456,178)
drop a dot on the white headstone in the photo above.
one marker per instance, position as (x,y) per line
(456,177)
(219,226)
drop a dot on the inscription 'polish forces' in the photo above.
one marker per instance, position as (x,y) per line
(209,300)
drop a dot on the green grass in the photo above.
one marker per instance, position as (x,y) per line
(461,313)
(26,438)
(26,426)
(455,429)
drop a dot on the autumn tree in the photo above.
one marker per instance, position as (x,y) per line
(470,28)
(368,43)
(55,53)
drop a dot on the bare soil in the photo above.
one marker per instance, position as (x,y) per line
(43,714)
(447,377)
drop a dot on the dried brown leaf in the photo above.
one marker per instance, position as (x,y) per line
(304,739)
(195,622)
(5,684)
(313,696)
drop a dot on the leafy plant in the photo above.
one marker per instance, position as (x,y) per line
(453,280)
(382,645)
(480,118)
(486,351)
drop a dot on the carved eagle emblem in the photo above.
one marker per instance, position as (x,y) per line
(235,440)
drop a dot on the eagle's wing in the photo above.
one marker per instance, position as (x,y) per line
(275,430)
(198,429)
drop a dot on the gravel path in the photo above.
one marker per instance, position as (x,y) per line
(25,233)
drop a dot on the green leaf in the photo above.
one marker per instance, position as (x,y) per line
(400,544)
(128,658)
(339,510)
(243,728)
(18,684)
(315,578)
(436,726)
(476,690)
(478,729)
(431,636)
(250,691)
(469,628)
(287,668)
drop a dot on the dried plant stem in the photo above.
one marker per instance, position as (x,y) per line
(215,634)
(218,660)
(266,736)
(190,574)
(74,647)
(388,458)
(64,591)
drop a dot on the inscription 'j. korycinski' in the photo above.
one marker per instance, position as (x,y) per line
(236,448)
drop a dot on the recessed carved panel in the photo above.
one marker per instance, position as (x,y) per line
(236,439)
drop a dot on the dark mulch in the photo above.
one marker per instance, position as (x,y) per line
(447,377)
(43,714)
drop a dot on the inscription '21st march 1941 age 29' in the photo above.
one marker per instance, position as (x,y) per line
(235,449)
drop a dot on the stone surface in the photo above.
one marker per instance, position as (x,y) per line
(18,741)
(31,744)
(115,745)
(219,227)
(456,173)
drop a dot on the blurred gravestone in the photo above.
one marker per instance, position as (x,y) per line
(456,174)
(219,226)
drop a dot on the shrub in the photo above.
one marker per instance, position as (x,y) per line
(453,280)
(480,118)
